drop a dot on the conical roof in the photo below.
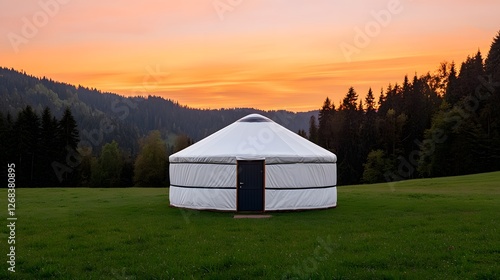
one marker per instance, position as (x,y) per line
(253,137)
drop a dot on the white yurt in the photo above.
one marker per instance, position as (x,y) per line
(253,164)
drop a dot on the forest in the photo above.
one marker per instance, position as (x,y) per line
(112,133)
(441,123)
(130,117)
(444,123)
(47,152)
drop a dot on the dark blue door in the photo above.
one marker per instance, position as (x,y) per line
(250,195)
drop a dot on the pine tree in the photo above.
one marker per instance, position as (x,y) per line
(324,113)
(369,131)
(350,152)
(313,130)
(386,100)
(361,108)
(406,92)
(393,99)
(325,117)
(67,141)
(469,77)
(27,134)
(492,63)
(370,101)
(48,148)
(8,148)
(349,102)
(49,129)
(381,102)
(68,130)
(452,92)
(302,133)
(490,90)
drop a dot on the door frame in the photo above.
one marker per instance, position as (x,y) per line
(263,161)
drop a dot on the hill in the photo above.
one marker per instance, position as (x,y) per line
(104,116)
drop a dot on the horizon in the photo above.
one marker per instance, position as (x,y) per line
(240,54)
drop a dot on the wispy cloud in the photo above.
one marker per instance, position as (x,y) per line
(266,54)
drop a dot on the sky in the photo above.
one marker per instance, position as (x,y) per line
(266,54)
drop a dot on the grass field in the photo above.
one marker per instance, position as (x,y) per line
(446,228)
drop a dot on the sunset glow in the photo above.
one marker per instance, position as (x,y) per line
(271,54)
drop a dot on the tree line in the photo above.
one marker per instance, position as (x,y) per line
(130,117)
(35,142)
(440,124)
(47,153)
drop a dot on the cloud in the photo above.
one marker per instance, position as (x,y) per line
(270,53)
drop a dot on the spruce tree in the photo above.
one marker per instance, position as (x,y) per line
(349,102)
(452,92)
(49,148)
(313,130)
(325,117)
(27,135)
(68,131)
(492,62)
(67,142)
(368,129)
(370,101)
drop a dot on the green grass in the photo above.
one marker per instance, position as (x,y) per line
(446,228)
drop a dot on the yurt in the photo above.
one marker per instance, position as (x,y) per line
(254,164)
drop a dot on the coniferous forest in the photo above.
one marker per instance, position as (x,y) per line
(441,123)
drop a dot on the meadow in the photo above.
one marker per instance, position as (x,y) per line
(442,228)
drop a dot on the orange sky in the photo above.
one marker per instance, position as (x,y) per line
(271,54)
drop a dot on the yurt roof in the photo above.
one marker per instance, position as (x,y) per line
(253,137)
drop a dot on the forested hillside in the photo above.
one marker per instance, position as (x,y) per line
(63,135)
(130,118)
(438,124)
